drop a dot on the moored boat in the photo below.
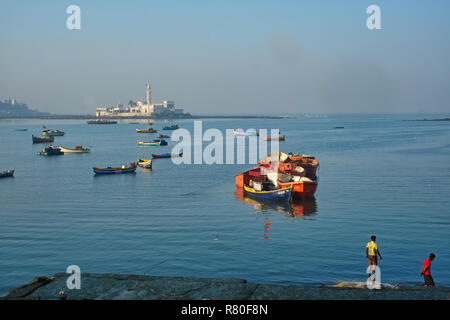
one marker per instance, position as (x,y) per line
(77,149)
(6,173)
(280,138)
(149,130)
(145,163)
(162,136)
(42,139)
(117,170)
(52,133)
(284,171)
(283,194)
(51,151)
(167,155)
(24,129)
(245,134)
(155,142)
(171,127)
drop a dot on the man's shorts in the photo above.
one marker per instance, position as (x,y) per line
(373,260)
(428,280)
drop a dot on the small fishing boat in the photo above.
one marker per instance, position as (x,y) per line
(339,127)
(155,142)
(171,127)
(78,149)
(21,129)
(281,138)
(117,170)
(149,130)
(42,139)
(167,155)
(283,194)
(161,136)
(144,163)
(6,173)
(101,121)
(50,151)
(52,133)
(245,134)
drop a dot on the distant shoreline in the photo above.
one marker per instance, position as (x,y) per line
(443,119)
(92,117)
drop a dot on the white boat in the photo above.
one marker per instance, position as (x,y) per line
(52,133)
(78,149)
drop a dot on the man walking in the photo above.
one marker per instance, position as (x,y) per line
(371,254)
(426,271)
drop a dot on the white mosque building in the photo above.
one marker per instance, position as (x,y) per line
(141,109)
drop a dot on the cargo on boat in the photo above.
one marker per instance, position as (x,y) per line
(282,171)
(117,170)
(51,151)
(6,173)
(42,139)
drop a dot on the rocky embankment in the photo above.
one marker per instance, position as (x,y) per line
(140,287)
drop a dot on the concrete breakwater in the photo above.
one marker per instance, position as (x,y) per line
(142,287)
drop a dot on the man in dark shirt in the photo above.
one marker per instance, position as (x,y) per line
(426,273)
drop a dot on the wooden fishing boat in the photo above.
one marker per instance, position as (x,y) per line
(167,155)
(144,163)
(245,134)
(117,170)
(171,127)
(42,139)
(6,173)
(161,136)
(52,133)
(281,138)
(78,149)
(283,194)
(155,142)
(50,151)
(149,130)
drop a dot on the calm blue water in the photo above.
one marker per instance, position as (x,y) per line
(379,176)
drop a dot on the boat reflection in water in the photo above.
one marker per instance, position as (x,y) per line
(292,209)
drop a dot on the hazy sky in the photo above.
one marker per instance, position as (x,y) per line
(228,56)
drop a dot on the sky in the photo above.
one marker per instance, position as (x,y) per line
(228,57)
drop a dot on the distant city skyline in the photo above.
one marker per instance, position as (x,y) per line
(228,57)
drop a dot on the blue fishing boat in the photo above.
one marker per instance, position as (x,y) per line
(171,127)
(6,173)
(109,170)
(278,194)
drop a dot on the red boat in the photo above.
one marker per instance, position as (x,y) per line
(284,171)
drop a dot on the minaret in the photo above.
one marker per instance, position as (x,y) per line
(149,95)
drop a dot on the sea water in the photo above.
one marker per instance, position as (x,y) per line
(379,175)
